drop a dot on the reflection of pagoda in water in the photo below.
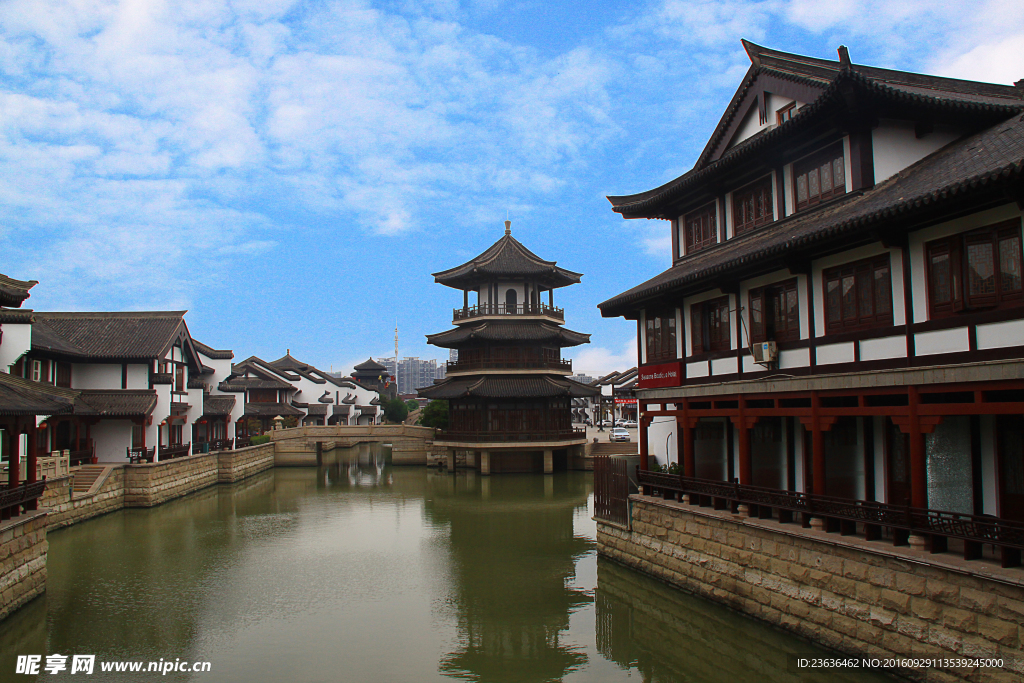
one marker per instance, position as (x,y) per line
(509,393)
(514,563)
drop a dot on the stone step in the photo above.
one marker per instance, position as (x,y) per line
(85,477)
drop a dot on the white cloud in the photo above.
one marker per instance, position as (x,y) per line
(599,360)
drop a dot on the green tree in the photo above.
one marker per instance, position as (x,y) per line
(412,404)
(435,415)
(395,411)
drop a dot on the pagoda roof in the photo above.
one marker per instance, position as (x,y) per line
(829,87)
(500,330)
(507,259)
(507,386)
(370,365)
(13,292)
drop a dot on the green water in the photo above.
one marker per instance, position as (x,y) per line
(358,571)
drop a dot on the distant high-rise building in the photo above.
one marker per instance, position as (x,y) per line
(414,373)
(583,379)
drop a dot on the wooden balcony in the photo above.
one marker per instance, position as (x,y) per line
(848,516)
(524,435)
(501,309)
(564,364)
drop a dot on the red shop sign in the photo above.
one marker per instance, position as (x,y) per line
(664,375)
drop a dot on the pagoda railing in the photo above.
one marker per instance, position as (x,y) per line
(490,364)
(843,514)
(501,309)
(512,436)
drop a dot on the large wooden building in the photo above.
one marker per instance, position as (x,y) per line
(844,313)
(509,394)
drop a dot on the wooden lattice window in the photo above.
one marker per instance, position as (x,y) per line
(820,177)
(976,270)
(775,312)
(700,228)
(709,326)
(753,206)
(858,295)
(660,336)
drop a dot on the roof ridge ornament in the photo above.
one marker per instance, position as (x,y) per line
(508,227)
(844,57)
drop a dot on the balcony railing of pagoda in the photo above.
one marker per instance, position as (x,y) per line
(489,364)
(501,309)
(843,514)
(511,436)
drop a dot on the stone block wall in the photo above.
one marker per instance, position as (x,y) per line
(64,509)
(149,484)
(854,596)
(235,465)
(23,549)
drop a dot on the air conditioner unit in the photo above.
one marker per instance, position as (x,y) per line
(766,352)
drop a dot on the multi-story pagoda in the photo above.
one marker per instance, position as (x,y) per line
(509,395)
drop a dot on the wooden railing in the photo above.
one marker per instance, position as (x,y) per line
(176,450)
(222,445)
(243,441)
(517,435)
(843,514)
(83,456)
(137,454)
(611,489)
(24,496)
(501,309)
(525,364)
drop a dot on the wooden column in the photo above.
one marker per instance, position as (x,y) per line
(918,466)
(743,424)
(644,421)
(685,428)
(14,473)
(32,464)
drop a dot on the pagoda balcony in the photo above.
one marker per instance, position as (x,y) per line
(563,365)
(522,435)
(469,312)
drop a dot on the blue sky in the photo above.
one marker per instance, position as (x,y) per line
(292,172)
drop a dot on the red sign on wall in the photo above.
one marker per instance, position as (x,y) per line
(664,375)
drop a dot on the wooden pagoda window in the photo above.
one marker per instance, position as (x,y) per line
(660,336)
(820,177)
(775,312)
(709,326)
(701,228)
(753,206)
(976,270)
(858,295)
(63,374)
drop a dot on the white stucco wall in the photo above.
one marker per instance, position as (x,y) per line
(96,376)
(16,342)
(894,146)
(662,440)
(112,438)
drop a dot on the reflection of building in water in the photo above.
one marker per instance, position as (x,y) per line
(514,558)
(636,616)
(364,465)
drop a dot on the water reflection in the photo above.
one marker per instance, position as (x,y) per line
(514,554)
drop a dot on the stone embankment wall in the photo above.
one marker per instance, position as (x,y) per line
(22,560)
(234,466)
(857,597)
(149,484)
(65,509)
(297,446)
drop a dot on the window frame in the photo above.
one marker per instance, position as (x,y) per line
(763,186)
(701,314)
(960,299)
(765,294)
(855,270)
(660,346)
(709,230)
(814,163)
(785,113)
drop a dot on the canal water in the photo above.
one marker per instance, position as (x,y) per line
(358,571)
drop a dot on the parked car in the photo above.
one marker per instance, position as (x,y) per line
(619,434)
(631,424)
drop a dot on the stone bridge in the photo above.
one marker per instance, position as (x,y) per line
(303,446)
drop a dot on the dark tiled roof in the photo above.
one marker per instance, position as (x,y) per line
(116,402)
(15,316)
(287,362)
(271,410)
(369,365)
(14,292)
(210,352)
(993,158)
(123,335)
(242,383)
(367,410)
(507,386)
(326,398)
(196,383)
(341,410)
(316,409)
(983,102)
(507,258)
(495,330)
(619,377)
(349,399)
(20,396)
(214,405)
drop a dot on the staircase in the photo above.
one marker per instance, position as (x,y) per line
(85,477)
(615,448)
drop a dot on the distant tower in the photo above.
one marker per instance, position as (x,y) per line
(509,394)
(396,355)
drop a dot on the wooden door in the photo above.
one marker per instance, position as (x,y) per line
(897,465)
(1010,466)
